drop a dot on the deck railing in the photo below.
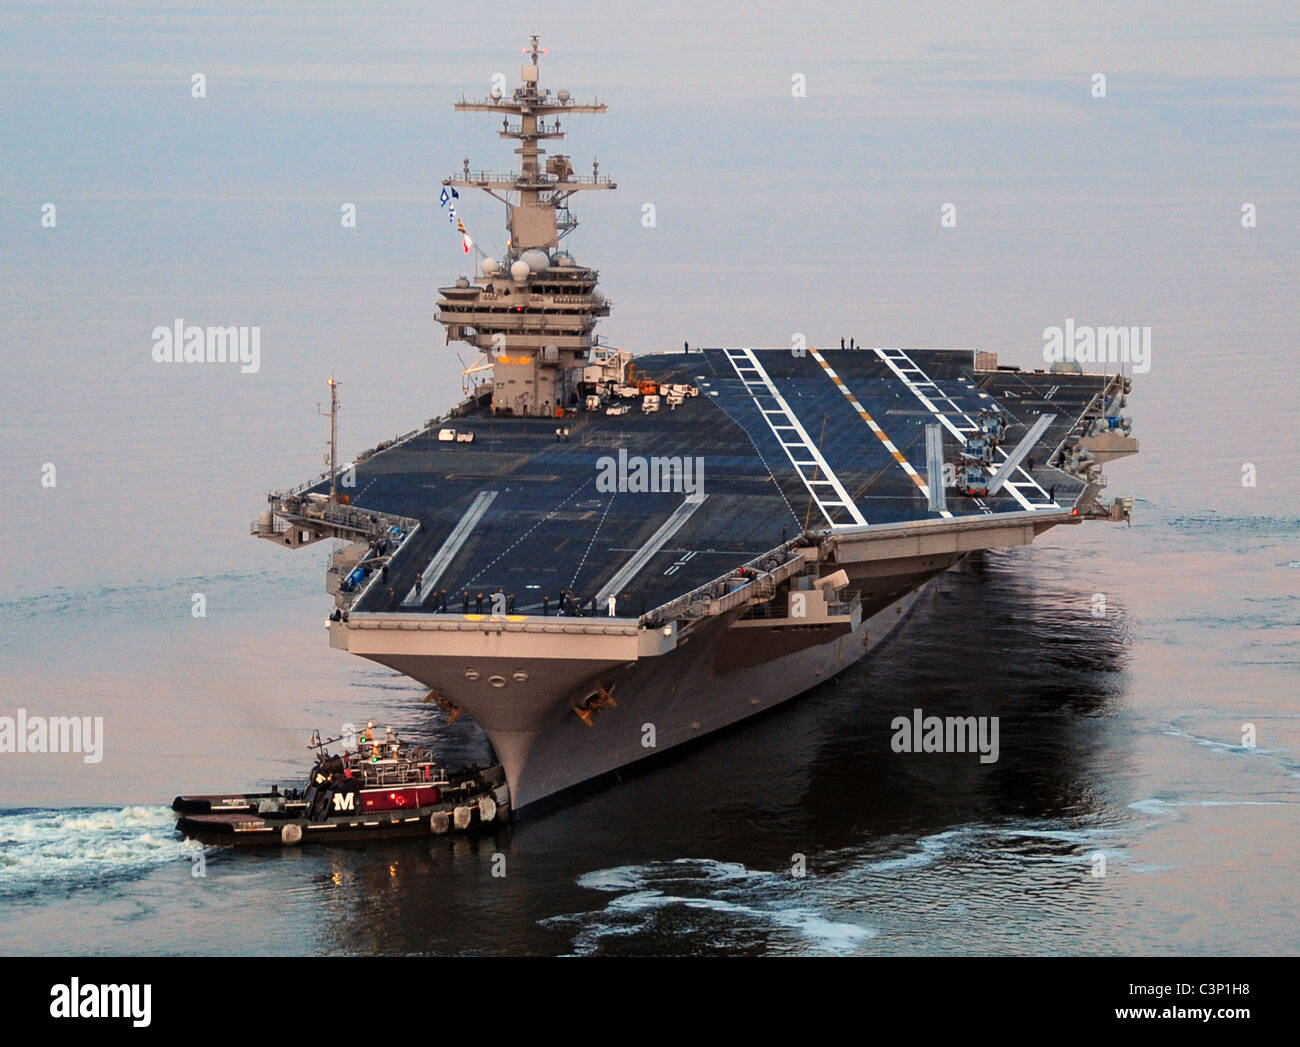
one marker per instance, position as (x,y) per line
(722,593)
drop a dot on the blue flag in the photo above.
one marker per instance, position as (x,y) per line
(444,197)
(454,193)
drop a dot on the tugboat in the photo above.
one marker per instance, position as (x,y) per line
(385,788)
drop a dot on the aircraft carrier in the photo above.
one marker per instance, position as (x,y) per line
(598,557)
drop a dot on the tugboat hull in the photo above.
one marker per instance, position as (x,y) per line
(250,829)
(478,799)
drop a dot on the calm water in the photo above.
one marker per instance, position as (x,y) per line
(1121,736)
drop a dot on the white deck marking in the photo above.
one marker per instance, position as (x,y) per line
(924,389)
(894,452)
(1019,453)
(759,384)
(443,557)
(657,541)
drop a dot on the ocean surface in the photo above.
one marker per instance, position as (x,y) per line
(1126,813)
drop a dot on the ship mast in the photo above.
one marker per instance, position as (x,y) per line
(532,220)
(334,439)
(533,313)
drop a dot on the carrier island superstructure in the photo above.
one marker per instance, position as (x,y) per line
(599,557)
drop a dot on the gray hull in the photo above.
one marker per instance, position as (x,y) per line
(725,672)
(567,700)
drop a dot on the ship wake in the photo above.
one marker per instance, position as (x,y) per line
(724,902)
(58,851)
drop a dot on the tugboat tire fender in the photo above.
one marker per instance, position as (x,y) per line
(461,817)
(439,822)
(487,809)
(290,835)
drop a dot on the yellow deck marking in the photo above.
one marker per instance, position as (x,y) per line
(871,424)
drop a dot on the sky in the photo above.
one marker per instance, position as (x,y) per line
(776,213)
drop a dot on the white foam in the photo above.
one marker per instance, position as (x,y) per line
(622,878)
(1084,837)
(1218,745)
(932,848)
(1152,806)
(64,849)
(1170,807)
(728,889)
